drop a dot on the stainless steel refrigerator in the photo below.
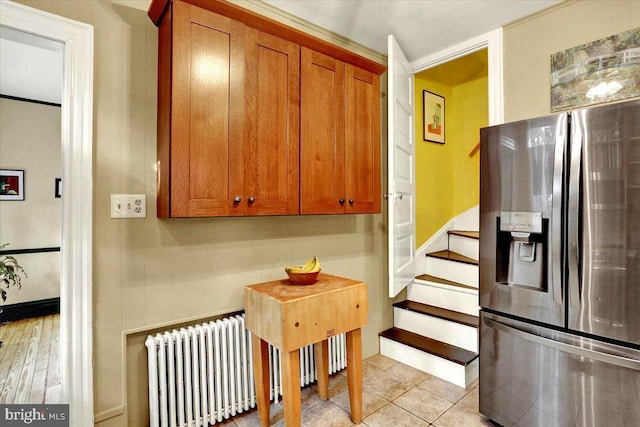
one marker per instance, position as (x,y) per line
(560,269)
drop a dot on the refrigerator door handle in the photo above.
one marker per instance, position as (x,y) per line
(573,244)
(620,361)
(555,257)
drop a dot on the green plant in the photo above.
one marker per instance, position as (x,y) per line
(11,273)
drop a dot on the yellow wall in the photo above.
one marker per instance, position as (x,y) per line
(447,178)
(434,166)
(470,113)
(152,272)
(529,44)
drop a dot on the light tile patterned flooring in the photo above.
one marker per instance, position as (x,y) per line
(394,395)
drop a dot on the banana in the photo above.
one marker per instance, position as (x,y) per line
(308,265)
(311,266)
(315,266)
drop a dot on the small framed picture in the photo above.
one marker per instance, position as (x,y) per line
(433,116)
(11,184)
(58,190)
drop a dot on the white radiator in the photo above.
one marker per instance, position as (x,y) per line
(203,374)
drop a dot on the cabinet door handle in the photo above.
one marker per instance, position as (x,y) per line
(238,199)
(342,201)
(252,199)
(351,201)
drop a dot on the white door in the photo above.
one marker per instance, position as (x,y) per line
(401,170)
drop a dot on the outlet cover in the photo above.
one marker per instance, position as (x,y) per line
(128,206)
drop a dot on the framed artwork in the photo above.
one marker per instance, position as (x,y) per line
(600,71)
(11,184)
(433,117)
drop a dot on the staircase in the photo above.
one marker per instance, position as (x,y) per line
(436,328)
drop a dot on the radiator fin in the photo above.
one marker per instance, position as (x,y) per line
(203,374)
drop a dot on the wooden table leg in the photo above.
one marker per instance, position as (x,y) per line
(321,351)
(291,388)
(354,374)
(261,378)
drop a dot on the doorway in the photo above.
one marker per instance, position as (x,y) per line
(447,162)
(76,383)
(30,93)
(405,257)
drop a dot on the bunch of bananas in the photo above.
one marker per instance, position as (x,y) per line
(311,266)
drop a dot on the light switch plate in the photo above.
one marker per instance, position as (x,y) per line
(128,206)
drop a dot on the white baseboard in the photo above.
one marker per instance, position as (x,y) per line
(468,220)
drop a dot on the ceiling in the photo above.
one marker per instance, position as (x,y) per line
(31,67)
(422,27)
(464,69)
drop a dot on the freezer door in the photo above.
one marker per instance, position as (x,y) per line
(604,222)
(521,184)
(532,377)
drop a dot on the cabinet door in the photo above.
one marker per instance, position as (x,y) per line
(322,185)
(207,113)
(362,141)
(271,142)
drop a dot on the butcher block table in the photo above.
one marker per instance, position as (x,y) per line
(289,317)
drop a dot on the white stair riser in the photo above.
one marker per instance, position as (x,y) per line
(459,375)
(441,295)
(464,246)
(460,272)
(453,333)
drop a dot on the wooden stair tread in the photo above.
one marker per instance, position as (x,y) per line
(463,233)
(453,256)
(441,313)
(430,278)
(438,348)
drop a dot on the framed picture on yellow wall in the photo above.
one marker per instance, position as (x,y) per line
(433,117)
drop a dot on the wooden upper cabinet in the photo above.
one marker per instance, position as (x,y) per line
(340,137)
(233,100)
(271,149)
(251,123)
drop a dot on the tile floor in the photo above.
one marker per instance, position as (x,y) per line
(394,395)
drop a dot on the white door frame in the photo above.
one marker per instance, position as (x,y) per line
(492,41)
(76,333)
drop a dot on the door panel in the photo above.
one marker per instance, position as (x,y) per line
(271,183)
(206,172)
(362,141)
(322,121)
(604,247)
(521,185)
(401,171)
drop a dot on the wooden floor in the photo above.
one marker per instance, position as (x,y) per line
(29,360)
